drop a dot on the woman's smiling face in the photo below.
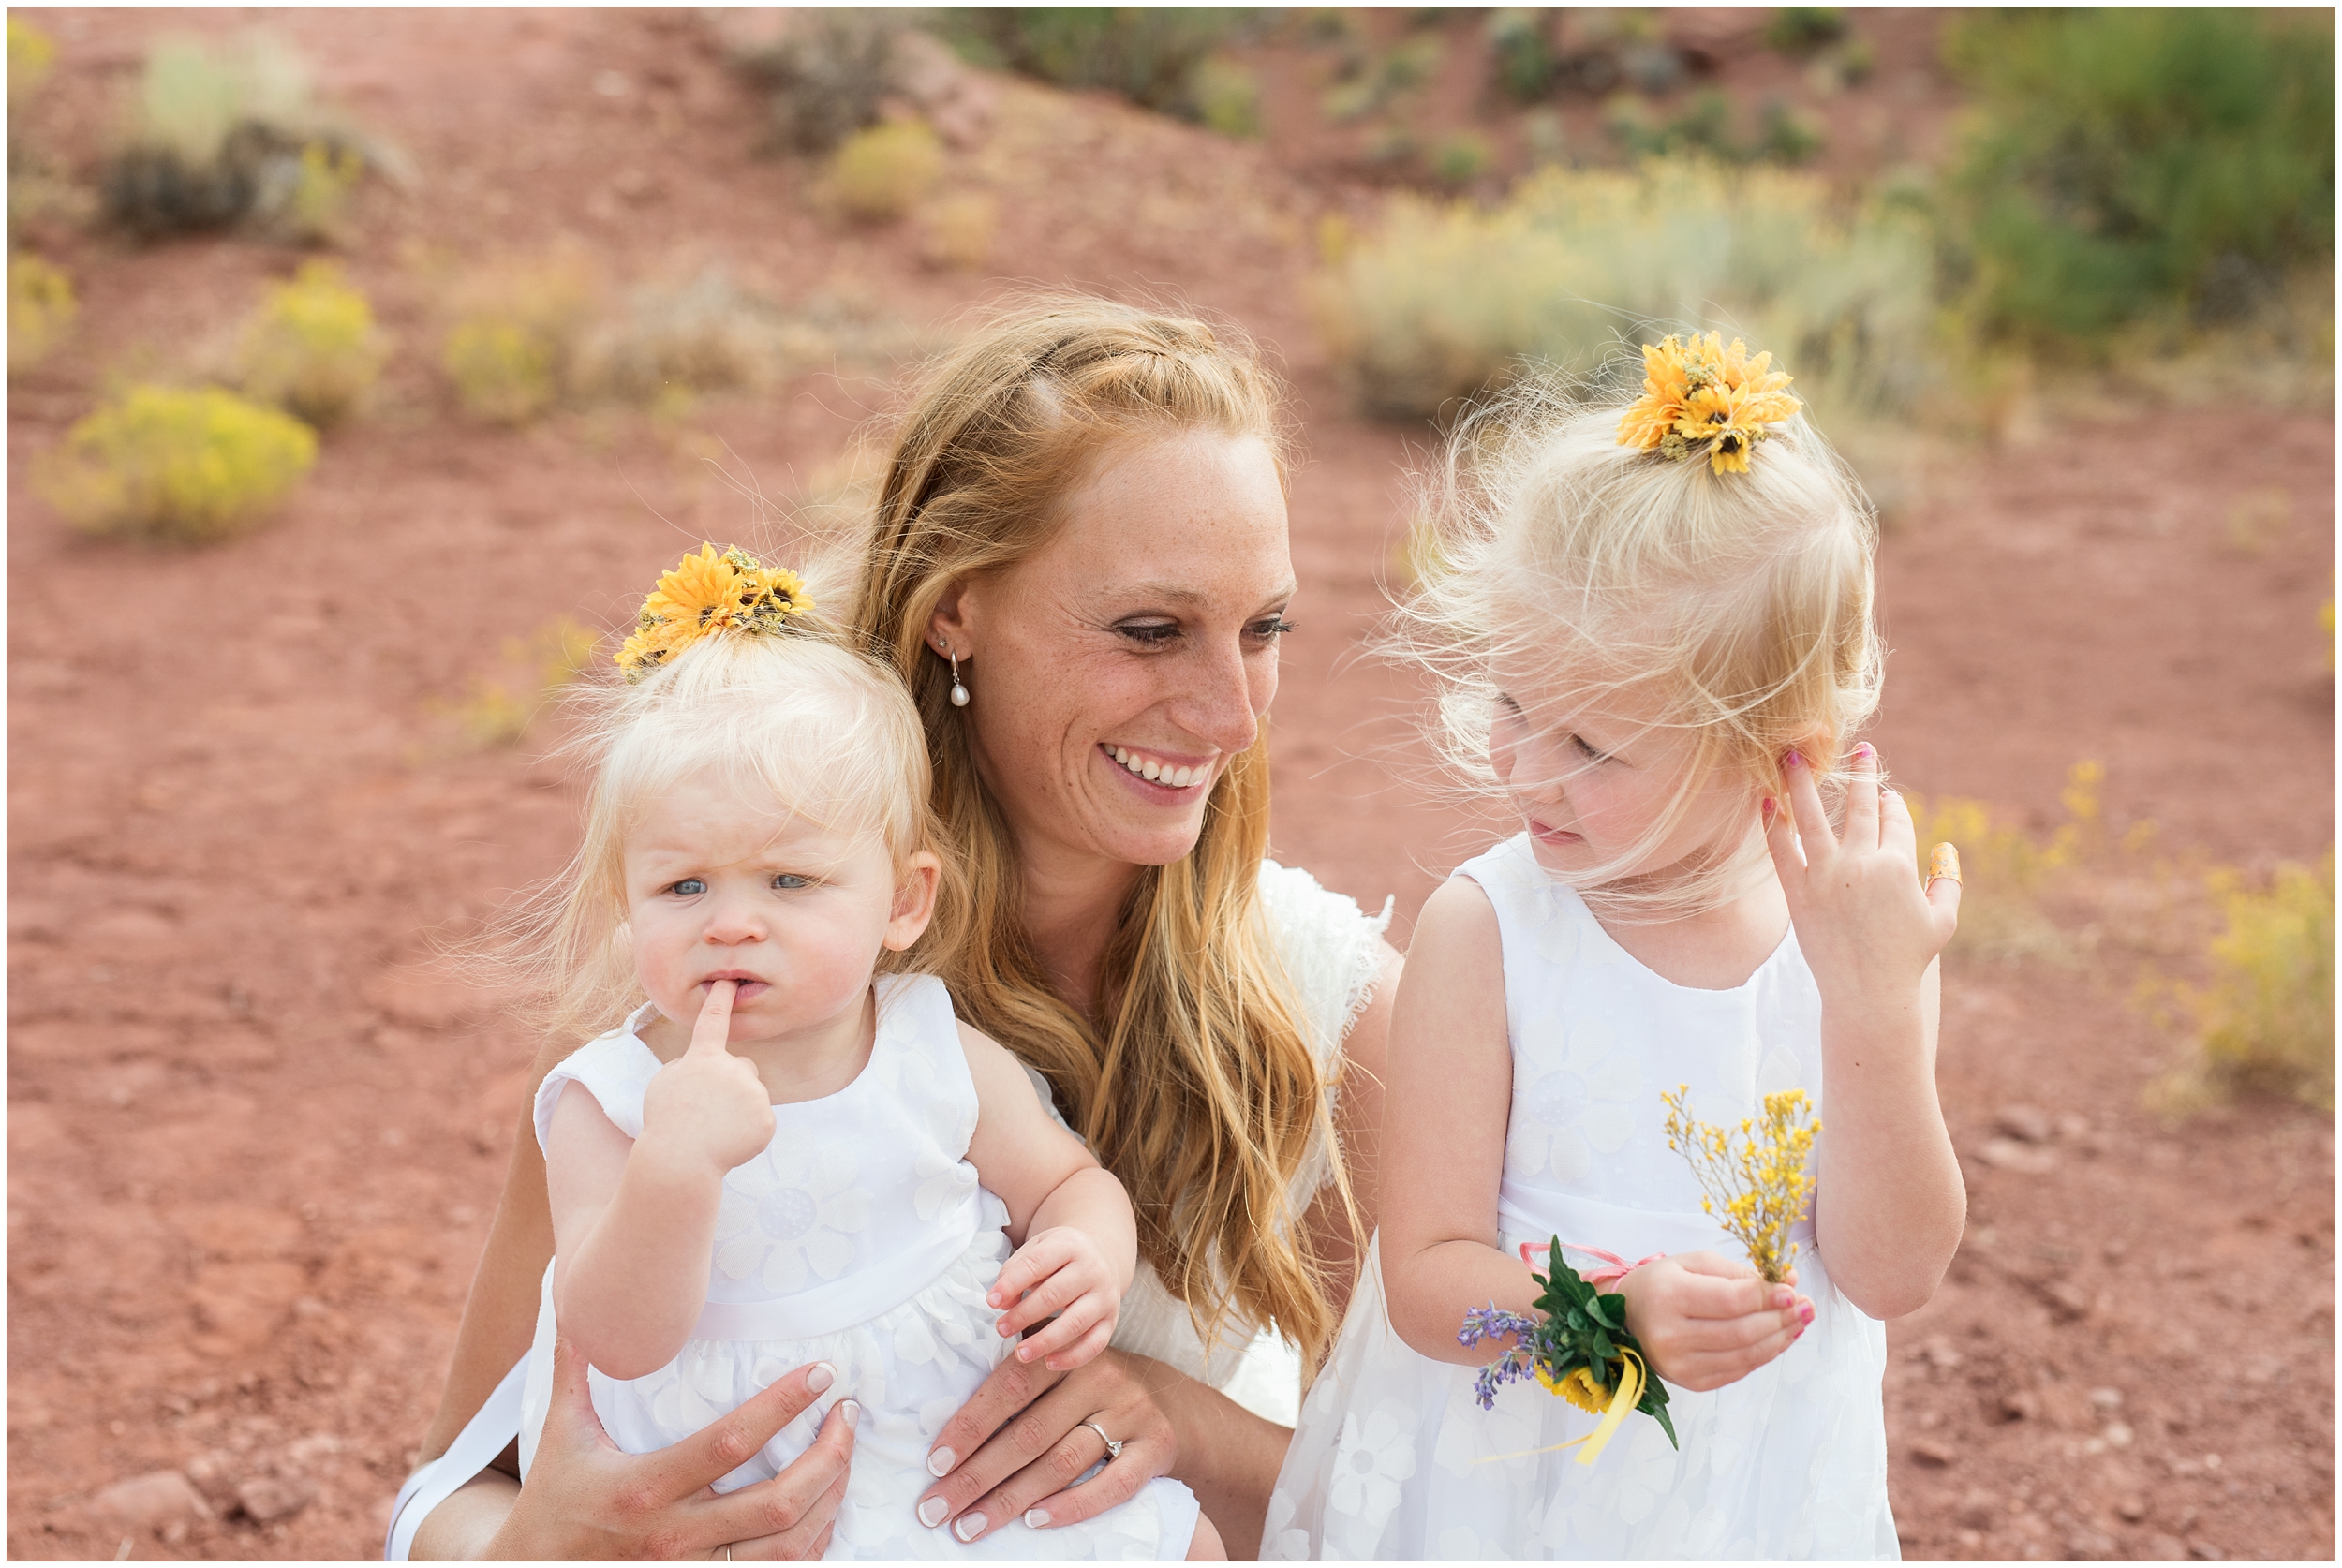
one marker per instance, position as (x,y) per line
(1116,671)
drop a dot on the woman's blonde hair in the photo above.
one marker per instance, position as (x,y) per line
(796,718)
(1735,606)
(1195,1082)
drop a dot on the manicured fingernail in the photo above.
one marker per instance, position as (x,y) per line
(820,1376)
(931,1512)
(853,1409)
(1036,1518)
(1805,1314)
(970,1527)
(1863,750)
(941,1462)
(1782,1295)
(1768,810)
(1793,760)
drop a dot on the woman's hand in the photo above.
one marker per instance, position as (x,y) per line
(1863,922)
(1706,1320)
(1016,1446)
(587,1499)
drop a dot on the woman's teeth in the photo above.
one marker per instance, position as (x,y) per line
(1147,768)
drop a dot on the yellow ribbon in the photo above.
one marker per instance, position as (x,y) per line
(1629,1394)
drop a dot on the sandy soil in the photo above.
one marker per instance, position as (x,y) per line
(254,1138)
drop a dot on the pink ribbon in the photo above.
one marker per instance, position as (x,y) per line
(1613,1269)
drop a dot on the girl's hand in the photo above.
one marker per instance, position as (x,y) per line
(1016,1445)
(707,1103)
(1060,1271)
(1866,926)
(1707,1320)
(587,1499)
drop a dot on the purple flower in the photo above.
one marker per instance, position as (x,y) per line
(1493,1323)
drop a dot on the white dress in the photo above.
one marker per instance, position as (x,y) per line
(1789,1463)
(859,1237)
(1332,952)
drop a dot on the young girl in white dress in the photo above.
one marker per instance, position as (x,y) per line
(1655,641)
(779,1159)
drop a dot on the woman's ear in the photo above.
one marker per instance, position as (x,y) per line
(914,900)
(951,631)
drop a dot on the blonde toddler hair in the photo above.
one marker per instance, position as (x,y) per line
(1737,606)
(824,732)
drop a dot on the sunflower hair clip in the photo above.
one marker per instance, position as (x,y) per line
(1701,399)
(707,592)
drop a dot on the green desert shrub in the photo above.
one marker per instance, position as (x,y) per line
(1158,57)
(222,136)
(1226,97)
(1521,42)
(41,308)
(176,463)
(311,347)
(2126,161)
(1577,265)
(827,74)
(882,173)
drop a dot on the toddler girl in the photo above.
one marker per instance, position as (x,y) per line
(777,1159)
(1654,640)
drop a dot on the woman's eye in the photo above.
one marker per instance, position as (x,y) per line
(789,880)
(689,887)
(1271,629)
(1149,633)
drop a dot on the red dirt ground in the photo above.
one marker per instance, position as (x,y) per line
(254,1140)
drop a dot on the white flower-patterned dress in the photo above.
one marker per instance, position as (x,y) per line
(859,1237)
(1789,1463)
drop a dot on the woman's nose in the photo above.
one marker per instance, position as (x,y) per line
(1224,698)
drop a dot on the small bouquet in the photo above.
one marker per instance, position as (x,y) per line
(1757,1174)
(1579,1350)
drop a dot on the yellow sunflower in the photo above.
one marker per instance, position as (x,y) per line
(1578,1387)
(710,592)
(1703,398)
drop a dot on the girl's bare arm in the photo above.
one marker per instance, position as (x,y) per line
(1447,1100)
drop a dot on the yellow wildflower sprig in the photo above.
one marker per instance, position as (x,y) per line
(1702,399)
(1753,1179)
(707,592)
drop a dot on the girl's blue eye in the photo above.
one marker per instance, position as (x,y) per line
(789,880)
(688,886)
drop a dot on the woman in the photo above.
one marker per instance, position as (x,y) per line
(1080,564)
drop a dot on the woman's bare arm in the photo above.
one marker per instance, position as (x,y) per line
(500,1313)
(1357,1136)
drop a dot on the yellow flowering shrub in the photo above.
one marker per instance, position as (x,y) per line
(513,351)
(31,54)
(2266,1020)
(493,713)
(2005,869)
(168,463)
(311,347)
(880,173)
(41,308)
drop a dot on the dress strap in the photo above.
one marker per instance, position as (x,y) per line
(878,1286)
(484,1436)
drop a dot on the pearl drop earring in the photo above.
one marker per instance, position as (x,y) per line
(959,692)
